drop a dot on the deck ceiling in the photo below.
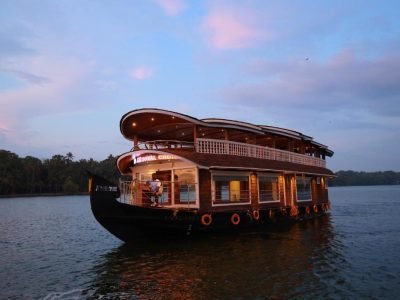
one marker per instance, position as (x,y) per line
(155,124)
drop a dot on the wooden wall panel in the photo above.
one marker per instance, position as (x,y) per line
(254,190)
(294,189)
(205,190)
(282,190)
(315,188)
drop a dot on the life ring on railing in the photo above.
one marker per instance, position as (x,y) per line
(308,210)
(206,219)
(315,208)
(256,215)
(294,211)
(235,219)
(271,213)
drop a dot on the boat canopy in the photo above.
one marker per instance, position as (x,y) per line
(150,124)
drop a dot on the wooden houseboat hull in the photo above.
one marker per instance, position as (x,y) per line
(129,222)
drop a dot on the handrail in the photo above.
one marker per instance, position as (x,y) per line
(213,146)
(173,193)
(162,144)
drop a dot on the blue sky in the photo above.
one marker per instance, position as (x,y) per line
(330,69)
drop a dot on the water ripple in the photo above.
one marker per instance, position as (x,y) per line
(52,248)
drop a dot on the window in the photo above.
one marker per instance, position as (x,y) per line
(268,187)
(229,189)
(303,188)
(185,185)
(144,177)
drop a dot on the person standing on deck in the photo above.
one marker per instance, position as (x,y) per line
(155,189)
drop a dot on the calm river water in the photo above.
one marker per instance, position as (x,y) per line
(53,248)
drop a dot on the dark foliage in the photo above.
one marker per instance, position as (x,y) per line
(348,178)
(59,174)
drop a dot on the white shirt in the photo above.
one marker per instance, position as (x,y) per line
(154,185)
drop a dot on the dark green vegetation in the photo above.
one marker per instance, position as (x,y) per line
(62,174)
(351,178)
(59,174)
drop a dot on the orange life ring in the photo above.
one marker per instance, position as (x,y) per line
(271,213)
(206,219)
(256,215)
(308,210)
(294,211)
(315,208)
(235,219)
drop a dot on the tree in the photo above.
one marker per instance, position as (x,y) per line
(11,174)
(70,187)
(33,174)
(56,167)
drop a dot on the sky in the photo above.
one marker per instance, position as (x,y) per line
(330,69)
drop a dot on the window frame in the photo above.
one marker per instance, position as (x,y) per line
(258,186)
(226,173)
(297,190)
(194,191)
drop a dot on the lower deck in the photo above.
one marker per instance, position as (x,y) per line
(222,190)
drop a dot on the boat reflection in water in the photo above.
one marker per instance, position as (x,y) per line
(300,260)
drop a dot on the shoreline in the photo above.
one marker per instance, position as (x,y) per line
(43,195)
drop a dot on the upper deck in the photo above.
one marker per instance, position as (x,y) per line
(155,129)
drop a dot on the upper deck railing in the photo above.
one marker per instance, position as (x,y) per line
(163,144)
(211,146)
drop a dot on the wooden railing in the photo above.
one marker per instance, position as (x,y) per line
(212,146)
(173,193)
(163,144)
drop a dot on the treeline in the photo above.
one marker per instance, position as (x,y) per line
(348,178)
(59,174)
(62,174)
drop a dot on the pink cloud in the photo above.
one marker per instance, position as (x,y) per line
(3,127)
(172,7)
(233,28)
(142,73)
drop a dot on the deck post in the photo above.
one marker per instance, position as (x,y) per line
(194,134)
(254,191)
(226,138)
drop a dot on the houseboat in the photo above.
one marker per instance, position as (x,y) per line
(185,175)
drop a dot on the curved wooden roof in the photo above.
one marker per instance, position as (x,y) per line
(154,124)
